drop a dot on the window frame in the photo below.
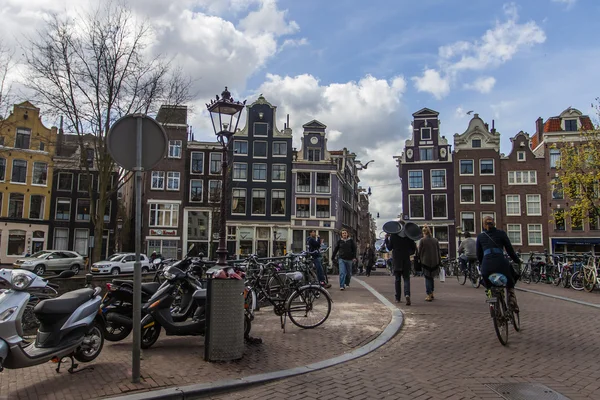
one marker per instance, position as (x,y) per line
(427,150)
(538,202)
(12,171)
(265,202)
(55,236)
(22,206)
(493,173)
(556,159)
(422,179)
(509,231)
(322,212)
(462,219)
(518,202)
(192,153)
(460,173)
(217,187)
(254,143)
(201,190)
(312,154)
(3,166)
(410,206)
(239,197)
(245,169)
(512,177)
(29,134)
(91,181)
(473,143)
(273,172)
(58,182)
(317,183)
(481,193)
(174,209)
(278,154)
(105,216)
(77,219)
(240,142)
(529,232)
(63,200)
(42,207)
(445,203)
(45,184)
(254,134)
(298,182)
(265,169)
(423,128)
(176,178)
(472,186)
(523,154)
(431,179)
(296,207)
(273,191)
(160,174)
(211,161)
(173,145)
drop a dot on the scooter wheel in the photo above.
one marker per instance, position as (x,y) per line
(150,335)
(247,325)
(113,332)
(91,346)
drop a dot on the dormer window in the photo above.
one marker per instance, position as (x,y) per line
(571,125)
(425,133)
(476,143)
(520,156)
(314,155)
(261,129)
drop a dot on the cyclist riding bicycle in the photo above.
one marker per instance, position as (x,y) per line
(467,251)
(491,243)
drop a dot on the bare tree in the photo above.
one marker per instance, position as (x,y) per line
(93,70)
(7,63)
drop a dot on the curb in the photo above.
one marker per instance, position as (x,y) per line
(202,389)
(553,296)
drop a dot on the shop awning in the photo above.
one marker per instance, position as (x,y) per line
(578,241)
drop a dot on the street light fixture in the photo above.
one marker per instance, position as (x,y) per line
(224,112)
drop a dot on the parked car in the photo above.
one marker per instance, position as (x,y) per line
(380,263)
(120,264)
(51,260)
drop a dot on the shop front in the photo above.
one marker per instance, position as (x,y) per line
(18,240)
(264,241)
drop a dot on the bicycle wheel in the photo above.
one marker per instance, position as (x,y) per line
(556,276)
(589,279)
(500,322)
(577,280)
(516,320)
(277,287)
(461,276)
(566,279)
(536,275)
(309,307)
(526,277)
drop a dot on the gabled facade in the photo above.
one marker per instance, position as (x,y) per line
(564,236)
(261,190)
(478,179)
(426,173)
(524,196)
(71,226)
(26,176)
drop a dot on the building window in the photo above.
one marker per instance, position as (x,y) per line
(259,204)
(522,177)
(425,133)
(238,205)
(16,202)
(558,192)
(486,167)
(438,179)
(559,220)
(85,180)
(240,147)
(89,158)
(314,155)
(323,208)
(167,248)
(323,182)
(261,129)
(36,206)
(215,163)
(19,171)
(416,206)
(594,225)
(173,180)
(302,208)
(214,191)
(576,223)
(425,154)
(514,234)
(61,239)
(487,194)
(570,125)
(42,146)
(16,243)
(83,210)
(164,215)
(303,184)
(279,171)
(476,143)
(63,210)
(81,241)
(467,220)
(240,171)
(23,138)
(2,169)
(259,172)
(513,205)
(260,149)
(107,210)
(40,174)
(438,206)
(65,181)
(520,156)
(415,179)
(278,202)
(535,234)
(197,166)
(466,167)
(554,158)
(534,204)
(280,149)
(467,194)
(196,190)
(174,148)
(158,180)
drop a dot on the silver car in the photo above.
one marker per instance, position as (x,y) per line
(51,260)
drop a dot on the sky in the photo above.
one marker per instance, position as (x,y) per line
(363,67)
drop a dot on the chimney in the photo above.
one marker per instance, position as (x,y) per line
(493,127)
(288,120)
(539,129)
(61,137)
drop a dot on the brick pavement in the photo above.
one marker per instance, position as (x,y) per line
(356,318)
(447,349)
(581,295)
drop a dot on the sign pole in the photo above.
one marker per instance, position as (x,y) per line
(137,268)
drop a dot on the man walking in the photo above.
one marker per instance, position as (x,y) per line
(402,248)
(368,258)
(347,249)
(314,244)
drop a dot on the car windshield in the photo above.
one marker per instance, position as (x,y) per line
(116,257)
(40,254)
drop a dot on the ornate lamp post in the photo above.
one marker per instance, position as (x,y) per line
(223,111)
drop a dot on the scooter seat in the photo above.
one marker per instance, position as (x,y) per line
(150,287)
(65,304)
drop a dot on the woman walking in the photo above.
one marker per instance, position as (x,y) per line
(429,256)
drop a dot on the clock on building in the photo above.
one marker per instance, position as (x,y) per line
(409,153)
(314,140)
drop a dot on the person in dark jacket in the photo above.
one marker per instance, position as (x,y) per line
(314,245)
(402,248)
(368,258)
(347,249)
(490,253)
(430,258)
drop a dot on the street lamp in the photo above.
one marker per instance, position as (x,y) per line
(459,233)
(223,111)
(119,238)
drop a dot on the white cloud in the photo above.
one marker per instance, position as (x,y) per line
(568,3)
(432,82)
(482,85)
(495,47)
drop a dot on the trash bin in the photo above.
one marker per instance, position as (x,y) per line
(224,336)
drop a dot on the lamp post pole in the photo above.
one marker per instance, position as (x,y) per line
(222,250)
